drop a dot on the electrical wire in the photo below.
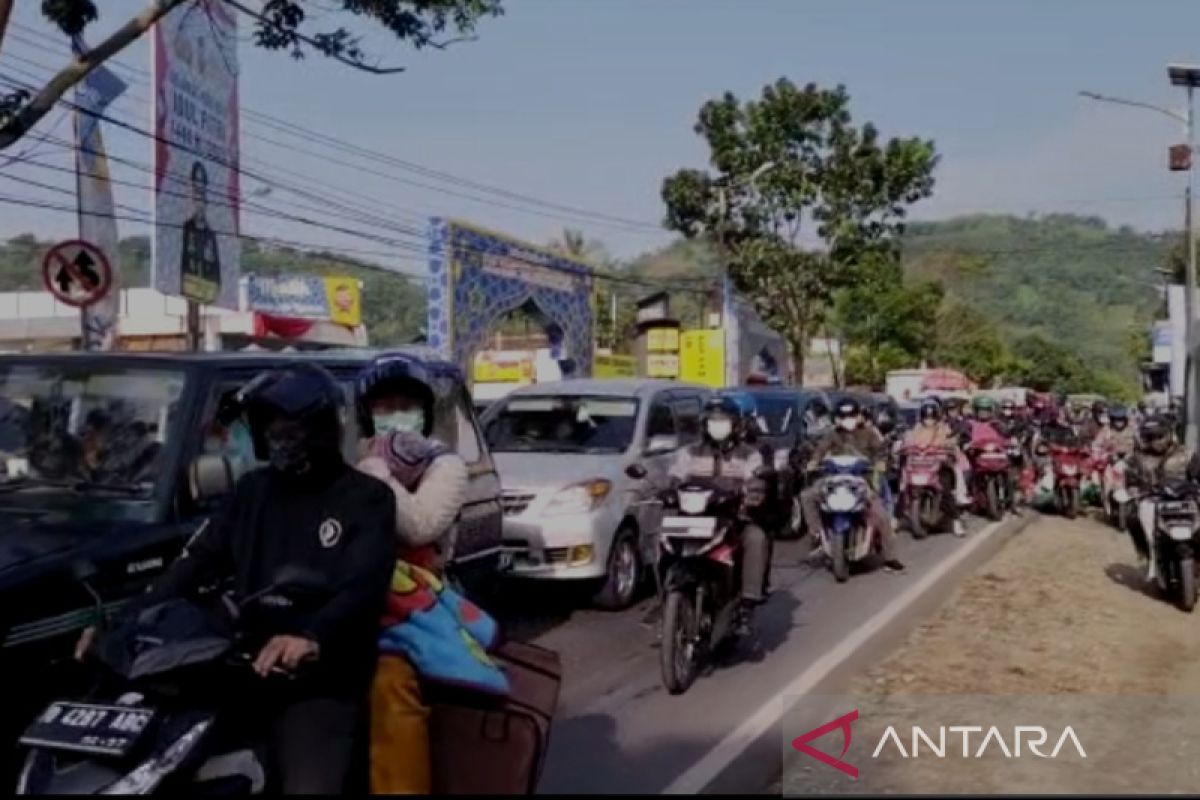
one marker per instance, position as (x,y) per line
(567,212)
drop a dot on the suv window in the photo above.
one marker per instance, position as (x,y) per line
(687,416)
(816,416)
(233,439)
(661,421)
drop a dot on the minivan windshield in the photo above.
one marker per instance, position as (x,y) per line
(84,428)
(563,424)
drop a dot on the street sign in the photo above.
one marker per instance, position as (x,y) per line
(76,273)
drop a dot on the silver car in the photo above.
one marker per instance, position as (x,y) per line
(581,462)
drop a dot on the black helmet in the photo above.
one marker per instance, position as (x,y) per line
(393,373)
(305,393)
(1118,416)
(1008,407)
(1099,407)
(930,407)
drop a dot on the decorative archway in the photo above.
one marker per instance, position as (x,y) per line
(476,277)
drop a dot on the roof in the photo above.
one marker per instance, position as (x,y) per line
(250,358)
(613,387)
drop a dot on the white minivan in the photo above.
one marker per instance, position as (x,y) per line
(581,463)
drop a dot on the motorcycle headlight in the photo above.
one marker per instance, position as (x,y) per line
(841,500)
(693,502)
(145,778)
(1070,469)
(579,498)
(920,479)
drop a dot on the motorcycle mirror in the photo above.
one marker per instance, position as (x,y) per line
(636,471)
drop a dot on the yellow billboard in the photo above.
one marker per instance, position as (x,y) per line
(503,367)
(345,301)
(702,357)
(662,365)
(662,340)
(614,367)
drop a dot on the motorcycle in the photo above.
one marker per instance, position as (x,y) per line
(1176,528)
(700,578)
(162,716)
(847,536)
(991,480)
(1118,501)
(921,489)
(1068,464)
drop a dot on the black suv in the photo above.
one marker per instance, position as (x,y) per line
(791,418)
(99,487)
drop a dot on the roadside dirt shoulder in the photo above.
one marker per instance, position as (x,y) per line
(1058,621)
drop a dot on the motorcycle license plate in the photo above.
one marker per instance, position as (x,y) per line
(103,730)
(919,479)
(689,527)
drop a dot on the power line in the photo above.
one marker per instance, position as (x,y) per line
(154,136)
(568,212)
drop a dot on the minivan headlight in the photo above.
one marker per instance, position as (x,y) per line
(580,497)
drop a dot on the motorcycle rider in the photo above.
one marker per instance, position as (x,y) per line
(395,407)
(724,455)
(849,437)
(1161,459)
(1096,422)
(933,432)
(308,508)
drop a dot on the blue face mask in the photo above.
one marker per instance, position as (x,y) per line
(405,421)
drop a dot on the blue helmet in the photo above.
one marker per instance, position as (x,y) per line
(393,372)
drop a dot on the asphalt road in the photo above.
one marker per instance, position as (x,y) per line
(618,731)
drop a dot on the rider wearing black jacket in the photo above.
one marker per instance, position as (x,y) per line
(308,509)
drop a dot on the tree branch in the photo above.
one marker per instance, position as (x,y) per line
(311,42)
(21,122)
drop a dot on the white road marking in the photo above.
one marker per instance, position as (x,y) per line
(715,761)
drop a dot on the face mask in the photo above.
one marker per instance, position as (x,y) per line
(287,453)
(848,423)
(406,421)
(719,429)
(1103,420)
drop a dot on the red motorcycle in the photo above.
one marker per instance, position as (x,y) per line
(1070,463)
(921,489)
(991,480)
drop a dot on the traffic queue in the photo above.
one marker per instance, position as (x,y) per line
(258,572)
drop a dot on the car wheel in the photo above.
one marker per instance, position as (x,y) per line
(624,572)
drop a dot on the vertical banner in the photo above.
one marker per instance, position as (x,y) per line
(197,253)
(97,222)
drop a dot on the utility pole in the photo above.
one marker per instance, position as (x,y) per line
(1188,75)
(1182,158)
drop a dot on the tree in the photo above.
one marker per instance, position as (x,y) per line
(886,323)
(969,341)
(1049,367)
(790,165)
(279,25)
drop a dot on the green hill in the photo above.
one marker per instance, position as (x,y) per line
(1074,280)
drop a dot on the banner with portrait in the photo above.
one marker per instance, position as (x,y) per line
(197,250)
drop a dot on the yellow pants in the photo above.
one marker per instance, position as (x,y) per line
(399,730)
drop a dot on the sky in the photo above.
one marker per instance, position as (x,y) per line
(590,104)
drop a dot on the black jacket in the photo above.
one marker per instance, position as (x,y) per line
(341,525)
